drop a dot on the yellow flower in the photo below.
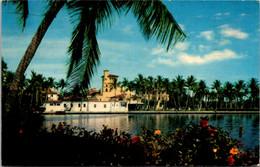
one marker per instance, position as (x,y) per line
(233,151)
(157,132)
(215,150)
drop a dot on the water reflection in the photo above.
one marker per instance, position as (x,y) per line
(133,123)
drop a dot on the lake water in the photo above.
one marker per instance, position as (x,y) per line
(133,123)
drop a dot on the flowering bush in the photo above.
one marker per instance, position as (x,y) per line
(194,144)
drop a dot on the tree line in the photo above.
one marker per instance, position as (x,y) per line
(184,94)
(191,94)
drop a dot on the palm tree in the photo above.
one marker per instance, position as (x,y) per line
(150,88)
(47,85)
(158,86)
(114,86)
(190,84)
(229,93)
(54,8)
(166,89)
(239,92)
(180,89)
(153,18)
(139,85)
(253,92)
(201,92)
(217,91)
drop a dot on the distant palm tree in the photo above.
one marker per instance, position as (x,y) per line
(217,91)
(153,18)
(158,86)
(253,86)
(190,84)
(201,92)
(166,89)
(229,93)
(239,93)
(35,87)
(114,86)
(47,85)
(180,89)
(150,84)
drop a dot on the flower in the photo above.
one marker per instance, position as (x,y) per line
(215,150)
(213,130)
(157,132)
(230,160)
(20,131)
(233,151)
(121,140)
(211,134)
(176,137)
(204,123)
(135,139)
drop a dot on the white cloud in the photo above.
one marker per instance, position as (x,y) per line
(157,50)
(242,14)
(207,58)
(168,62)
(223,42)
(203,48)
(208,35)
(222,14)
(226,31)
(189,59)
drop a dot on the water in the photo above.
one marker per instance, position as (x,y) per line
(133,123)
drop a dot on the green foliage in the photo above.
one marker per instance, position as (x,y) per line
(195,144)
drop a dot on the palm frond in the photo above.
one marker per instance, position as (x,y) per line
(84,51)
(22,11)
(156,21)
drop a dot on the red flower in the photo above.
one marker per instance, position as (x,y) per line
(135,139)
(176,137)
(230,160)
(212,134)
(20,131)
(121,140)
(213,130)
(204,123)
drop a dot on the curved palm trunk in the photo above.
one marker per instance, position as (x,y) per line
(28,55)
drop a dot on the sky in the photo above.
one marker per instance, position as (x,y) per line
(222,43)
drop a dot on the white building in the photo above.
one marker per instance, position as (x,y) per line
(84,106)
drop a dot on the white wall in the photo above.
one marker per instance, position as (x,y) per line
(68,106)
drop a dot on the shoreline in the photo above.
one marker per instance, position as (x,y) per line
(158,112)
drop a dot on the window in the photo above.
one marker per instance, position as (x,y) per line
(64,105)
(95,105)
(105,106)
(106,85)
(106,90)
(71,105)
(51,104)
(51,95)
(84,105)
(78,105)
(58,104)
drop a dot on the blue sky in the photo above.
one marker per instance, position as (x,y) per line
(222,43)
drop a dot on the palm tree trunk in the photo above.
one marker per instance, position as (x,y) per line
(28,55)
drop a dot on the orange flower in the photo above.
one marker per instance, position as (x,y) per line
(215,150)
(135,139)
(230,160)
(157,132)
(233,151)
